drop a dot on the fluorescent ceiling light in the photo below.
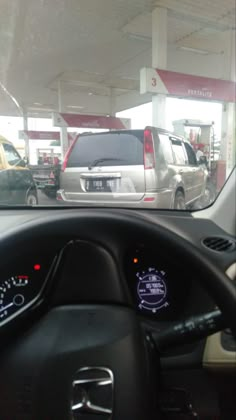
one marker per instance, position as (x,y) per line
(38,103)
(34,108)
(195,50)
(139,37)
(75,106)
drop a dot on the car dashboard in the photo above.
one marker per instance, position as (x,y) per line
(157,287)
(65,269)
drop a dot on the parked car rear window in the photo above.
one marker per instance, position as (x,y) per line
(11,154)
(118,148)
(178,152)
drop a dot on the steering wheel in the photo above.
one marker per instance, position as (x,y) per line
(90,360)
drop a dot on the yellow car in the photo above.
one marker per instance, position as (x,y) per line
(16,182)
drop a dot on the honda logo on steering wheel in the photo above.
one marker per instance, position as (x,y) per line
(92,393)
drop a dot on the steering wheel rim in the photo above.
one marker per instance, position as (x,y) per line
(217,284)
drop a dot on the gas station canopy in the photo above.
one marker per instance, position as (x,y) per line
(92,52)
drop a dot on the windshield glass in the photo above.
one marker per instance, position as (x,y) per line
(129,105)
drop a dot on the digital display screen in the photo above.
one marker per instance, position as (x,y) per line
(152,290)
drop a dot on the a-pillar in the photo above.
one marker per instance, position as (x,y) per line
(228,147)
(159,60)
(63,130)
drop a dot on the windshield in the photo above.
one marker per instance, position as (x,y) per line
(128,105)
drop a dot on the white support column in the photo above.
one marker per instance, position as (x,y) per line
(159,60)
(228,133)
(25,126)
(63,130)
(112,103)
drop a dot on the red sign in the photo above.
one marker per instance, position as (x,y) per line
(44,135)
(90,121)
(185,85)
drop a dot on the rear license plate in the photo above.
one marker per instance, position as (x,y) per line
(102,185)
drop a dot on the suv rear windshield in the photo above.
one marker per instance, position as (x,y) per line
(116,148)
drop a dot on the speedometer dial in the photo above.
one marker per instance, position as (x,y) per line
(152,290)
(21,289)
(13,295)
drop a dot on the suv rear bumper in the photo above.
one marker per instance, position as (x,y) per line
(162,199)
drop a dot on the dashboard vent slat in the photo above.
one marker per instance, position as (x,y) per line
(219,244)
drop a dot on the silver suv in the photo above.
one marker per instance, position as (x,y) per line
(131,168)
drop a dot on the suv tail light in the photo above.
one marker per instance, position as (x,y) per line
(149,154)
(67,155)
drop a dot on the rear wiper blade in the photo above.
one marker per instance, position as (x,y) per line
(97,161)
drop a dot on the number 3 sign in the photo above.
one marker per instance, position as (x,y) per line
(154,81)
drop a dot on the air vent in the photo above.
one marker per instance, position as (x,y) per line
(219,244)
